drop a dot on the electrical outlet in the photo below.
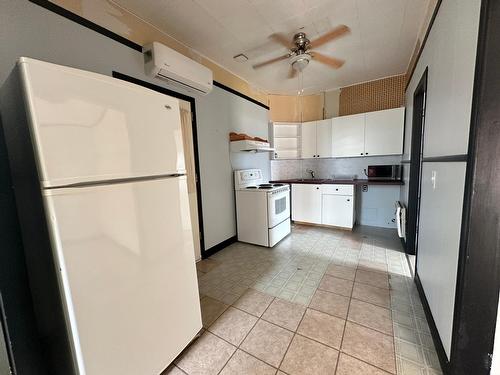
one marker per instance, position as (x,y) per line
(364,189)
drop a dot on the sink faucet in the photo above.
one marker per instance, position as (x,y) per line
(311,172)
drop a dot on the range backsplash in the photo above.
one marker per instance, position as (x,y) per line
(327,168)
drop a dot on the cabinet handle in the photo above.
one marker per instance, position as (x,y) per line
(361,154)
(336,189)
(348,200)
(366,153)
(317,188)
(318,156)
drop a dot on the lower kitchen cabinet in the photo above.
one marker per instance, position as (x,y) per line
(326,204)
(337,210)
(306,203)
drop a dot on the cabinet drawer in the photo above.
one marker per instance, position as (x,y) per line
(337,189)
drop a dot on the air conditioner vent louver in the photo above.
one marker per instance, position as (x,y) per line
(176,69)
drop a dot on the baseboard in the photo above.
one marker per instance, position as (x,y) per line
(211,251)
(443,359)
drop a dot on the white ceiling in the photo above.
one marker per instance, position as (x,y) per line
(383,35)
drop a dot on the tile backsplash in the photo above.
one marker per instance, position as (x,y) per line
(327,168)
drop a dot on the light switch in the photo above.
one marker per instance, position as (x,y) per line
(433,179)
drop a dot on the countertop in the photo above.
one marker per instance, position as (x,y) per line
(319,181)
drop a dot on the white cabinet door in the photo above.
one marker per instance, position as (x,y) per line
(338,210)
(306,203)
(348,136)
(384,132)
(308,140)
(324,138)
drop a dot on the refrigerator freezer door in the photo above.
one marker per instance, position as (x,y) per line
(88,127)
(127,271)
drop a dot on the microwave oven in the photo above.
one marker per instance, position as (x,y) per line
(385,172)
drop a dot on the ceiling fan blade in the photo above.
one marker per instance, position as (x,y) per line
(331,61)
(329,36)
(292,73)
(281,39)
(276,59)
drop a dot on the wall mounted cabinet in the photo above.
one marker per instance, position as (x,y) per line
(368,134)
(316,139)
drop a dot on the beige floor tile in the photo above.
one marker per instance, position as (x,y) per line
(206,356)
(267,342)
(322,327)
(242,363)
(285,314)
(336,285)
(368,265)
(233,325)
(370,346)
(351,366)
(371,316)
(306,356)
(378,279)
(211,309)
(371,294)
(254,302)
(206,265)
(341,272)
(330,303)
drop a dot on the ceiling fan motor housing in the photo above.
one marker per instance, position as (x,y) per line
(301,41)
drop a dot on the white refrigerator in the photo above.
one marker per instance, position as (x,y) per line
(110,165)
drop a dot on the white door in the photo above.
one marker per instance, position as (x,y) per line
(306,203)
(324,138)
(127,271)
(89,127)
(338,210)
(308,149)
(384,132)
(348,135)
(187,137)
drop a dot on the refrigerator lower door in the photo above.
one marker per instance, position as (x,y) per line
(127,272)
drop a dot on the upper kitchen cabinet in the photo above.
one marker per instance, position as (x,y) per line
(348,136)
(384,132)
(317,139)
(369,134)
(308,146)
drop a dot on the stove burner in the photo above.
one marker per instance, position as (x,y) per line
(265,185)
(251,187)
(276,185)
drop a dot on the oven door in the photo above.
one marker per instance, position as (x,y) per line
(278,207)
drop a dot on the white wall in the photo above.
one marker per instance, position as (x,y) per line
(218,114)
(449,54)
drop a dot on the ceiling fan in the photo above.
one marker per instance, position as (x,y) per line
(300,50)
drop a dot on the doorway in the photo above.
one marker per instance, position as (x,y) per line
(416,154)
(190,140)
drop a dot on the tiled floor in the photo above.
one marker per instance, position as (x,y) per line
(323,301)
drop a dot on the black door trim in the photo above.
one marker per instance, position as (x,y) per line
(191,101)
(445,159)
(416,152)
(478,278)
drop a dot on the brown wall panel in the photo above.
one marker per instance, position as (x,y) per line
(371,96)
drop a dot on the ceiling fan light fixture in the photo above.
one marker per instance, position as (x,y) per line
(299,62)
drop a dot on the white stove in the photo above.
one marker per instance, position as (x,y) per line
(262,208)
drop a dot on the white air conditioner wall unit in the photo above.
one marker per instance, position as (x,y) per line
(163,62)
